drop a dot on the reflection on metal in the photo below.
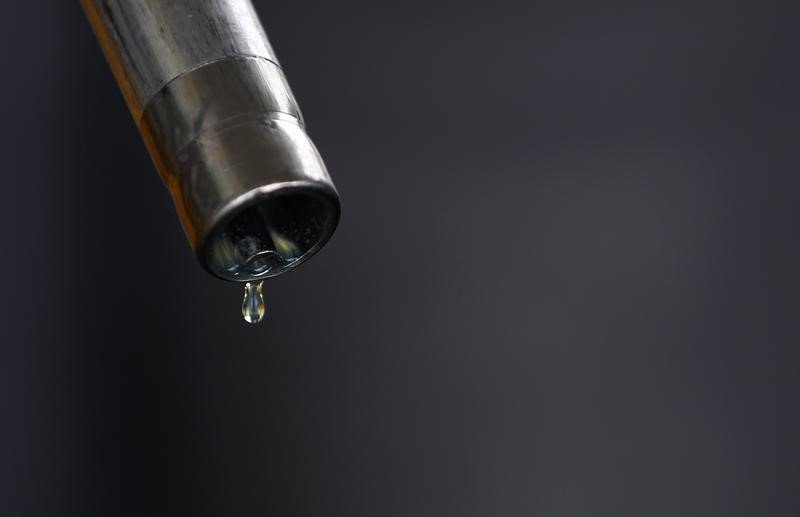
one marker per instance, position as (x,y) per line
(224,131)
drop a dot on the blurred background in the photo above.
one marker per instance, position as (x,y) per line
(565,281)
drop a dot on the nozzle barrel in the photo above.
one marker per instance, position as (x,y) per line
(224,130)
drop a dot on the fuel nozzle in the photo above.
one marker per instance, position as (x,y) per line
(224,130)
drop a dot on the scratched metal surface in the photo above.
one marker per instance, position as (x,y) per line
(155,41)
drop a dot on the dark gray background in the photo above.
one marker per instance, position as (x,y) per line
(565,281)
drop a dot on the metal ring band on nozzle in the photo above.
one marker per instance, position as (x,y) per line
(244,175)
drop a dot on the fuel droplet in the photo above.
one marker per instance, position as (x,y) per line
(253,308)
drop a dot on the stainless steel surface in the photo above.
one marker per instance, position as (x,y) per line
(224,130)
(151,42)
